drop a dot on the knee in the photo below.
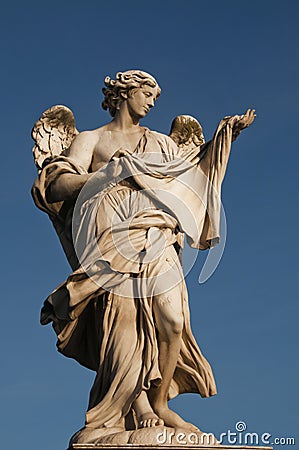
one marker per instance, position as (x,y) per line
(177,326)
(168,316)
(172,329)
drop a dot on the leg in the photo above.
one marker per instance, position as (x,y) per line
(117,379)
(169,321)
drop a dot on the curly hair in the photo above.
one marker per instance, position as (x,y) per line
(124,83)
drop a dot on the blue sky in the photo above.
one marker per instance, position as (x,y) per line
(211,60)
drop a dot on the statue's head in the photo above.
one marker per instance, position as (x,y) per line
(124,85)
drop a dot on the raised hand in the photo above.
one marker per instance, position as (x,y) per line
(243,122)
(246,119)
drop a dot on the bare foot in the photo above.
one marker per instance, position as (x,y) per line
(173,420)
(149,419)
(145,415)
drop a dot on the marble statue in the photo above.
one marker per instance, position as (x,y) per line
(122,198)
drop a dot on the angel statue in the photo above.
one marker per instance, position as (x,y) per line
(122,198)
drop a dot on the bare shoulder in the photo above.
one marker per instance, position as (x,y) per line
(87,138)
(82,147)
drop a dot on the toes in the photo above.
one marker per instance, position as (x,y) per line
(143,424)
(153,422)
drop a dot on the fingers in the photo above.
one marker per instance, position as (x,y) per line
(248,117)
(250,113)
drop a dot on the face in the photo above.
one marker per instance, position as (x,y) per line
(141,100)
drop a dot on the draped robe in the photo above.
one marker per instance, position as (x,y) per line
(126,235)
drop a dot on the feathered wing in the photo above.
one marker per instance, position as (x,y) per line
(186,132)
(53,133)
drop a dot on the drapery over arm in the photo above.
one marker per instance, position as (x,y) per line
(213,160)
(60,213)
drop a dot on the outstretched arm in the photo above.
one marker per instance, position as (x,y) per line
(244,122)
(235,123)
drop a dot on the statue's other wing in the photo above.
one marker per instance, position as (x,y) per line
(186,132)
(53,133)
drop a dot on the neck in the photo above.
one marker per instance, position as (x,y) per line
(123,120)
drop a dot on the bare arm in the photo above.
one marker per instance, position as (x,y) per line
(68,185)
